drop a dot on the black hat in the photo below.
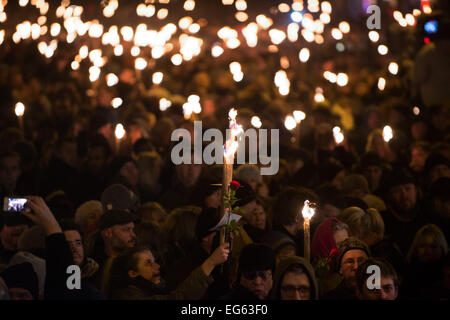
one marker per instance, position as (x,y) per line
(256,257)
(115,217)
(119,197)
(207,219)
(399,176)
(245,194)
(22,276)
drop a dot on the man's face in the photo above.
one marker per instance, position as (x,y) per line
(388,291)
(428,250)
(249,208)
(188,173)
(10,236)
(259,283)
(130,172)
(418,158)
(73,237)
(349,263)
(295,287)
(96,158)
(9,173)
(123,237)
(373,175)
(404,196)
(147,267)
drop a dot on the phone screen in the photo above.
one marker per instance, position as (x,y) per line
(431,27)
(16,204)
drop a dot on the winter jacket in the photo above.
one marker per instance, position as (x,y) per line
(280,271)
(193,288)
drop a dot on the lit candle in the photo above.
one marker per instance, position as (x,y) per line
(119,133)
(307,213)
(20,110)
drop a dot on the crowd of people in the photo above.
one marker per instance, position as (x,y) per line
(140,227)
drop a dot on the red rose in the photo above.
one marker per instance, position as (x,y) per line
(333,252)
(234,185)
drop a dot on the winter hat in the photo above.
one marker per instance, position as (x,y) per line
(22,276)
(37,263)
(354,182)
(245,194)
(399,176)
(85,209)
(119,197)
(350,243)
(115,217)
(32,240)
(256,257)
(207,219)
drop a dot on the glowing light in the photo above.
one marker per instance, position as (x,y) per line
(393,68)
(116,102)
(216,51)
(263,21)
(55,29)
(157,52)
(416,111)
(164,104)
(135,51)
(336,34)
(189,5)
(388,134)
(284,62)
(289,122)
(233,43)
(326,7)
(284,7)
(374,36)
(277,36)
(194,28)
(19,109)
(325,18)
(304,55)
(162,13)
(75,65)
(293,29)
(381,83)
(127,33)
(240,5)
(118,50)
(344,27)
(319,97)
(296,16)
(307,211)
(299,116)
(94,73)
(23,3)
(338,135)
(157,77)
(241,16)
(238,76)
(256,122)
(382,49)
(140,63)
(185,22)
(410,20)
(111,79)
(227,2)
(342,79)
(235,67)
(177,59)
(119,131)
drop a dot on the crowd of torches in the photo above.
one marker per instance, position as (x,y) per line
(181,36)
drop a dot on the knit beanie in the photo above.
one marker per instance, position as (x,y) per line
(256,257)
(22,276)
(350,243)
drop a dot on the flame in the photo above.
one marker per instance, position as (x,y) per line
(308,211)
(231,145)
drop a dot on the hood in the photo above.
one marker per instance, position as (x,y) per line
(280,270)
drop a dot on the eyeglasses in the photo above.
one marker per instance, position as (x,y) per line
(252,275)
(291,290)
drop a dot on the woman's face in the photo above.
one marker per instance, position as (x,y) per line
(147,268)
(214,200)
(258,218)
(428,250)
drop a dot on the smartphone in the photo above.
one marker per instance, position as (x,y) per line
(14,204)
(431,27)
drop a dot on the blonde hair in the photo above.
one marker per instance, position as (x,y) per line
(363,222)
(370,146)
(427,230)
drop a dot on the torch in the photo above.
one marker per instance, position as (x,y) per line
(20,110)
(307,213)
(119,133)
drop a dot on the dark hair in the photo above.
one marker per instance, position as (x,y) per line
(69,224)
(387,271)
(151,236)
(124,262)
